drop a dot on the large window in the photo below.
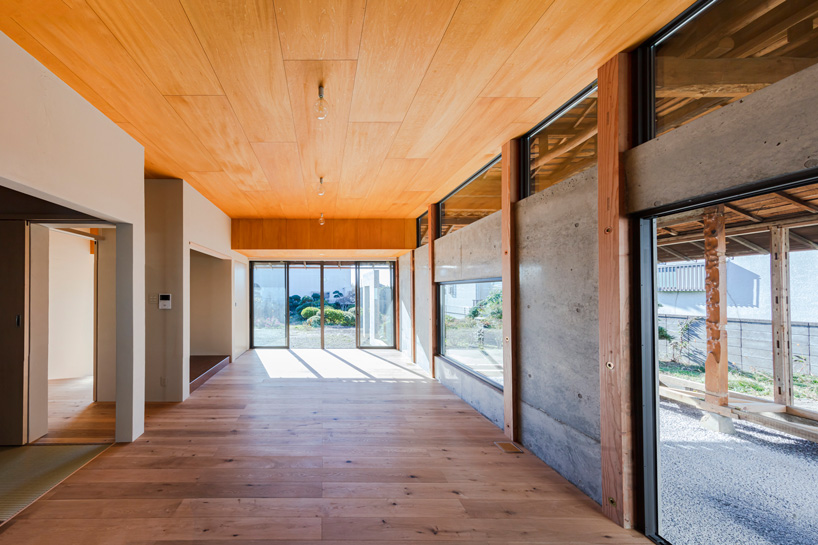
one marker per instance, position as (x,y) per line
(564,144)
(472,327)
(729,49)
(733,382)
(475,199)
(323,305)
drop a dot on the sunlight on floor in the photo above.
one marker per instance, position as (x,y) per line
(347,363)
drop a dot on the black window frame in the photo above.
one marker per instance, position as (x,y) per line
(441,203)
(441,286)
(645,315)
(393,264)
(418,234)
(525,140)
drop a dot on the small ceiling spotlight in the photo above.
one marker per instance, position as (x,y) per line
(321,220)
(321,105)
(320,186)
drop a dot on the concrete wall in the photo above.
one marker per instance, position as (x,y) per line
(211,329)
(404,265)
(559,338)
(70,307)
(422,310)
(181,221)
(56,146)
(761,136)
(471,253)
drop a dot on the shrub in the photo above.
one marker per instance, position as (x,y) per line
(352,310)
(302,306)
(314,321)
(309,312)
(338,317)
(664,335)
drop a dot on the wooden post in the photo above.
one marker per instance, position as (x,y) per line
(510,194)
(321,306)
(715,291)
(615,364)
(782,331)
(396,303)
(434,220)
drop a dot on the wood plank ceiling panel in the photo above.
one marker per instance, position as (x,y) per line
(213,120)
(282,164)
(321,141)
(399,40)
(77,36)
(366,147)
(320,29)
(479,39)
(421,94)
(241,41)
(158,36)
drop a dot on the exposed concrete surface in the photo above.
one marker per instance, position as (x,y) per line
(574,455)
(486,399)
(767,134)
(405,288)
(422,310)
(559,330)
(471,253)
(757,487)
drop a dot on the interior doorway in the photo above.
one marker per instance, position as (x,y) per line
(211,316)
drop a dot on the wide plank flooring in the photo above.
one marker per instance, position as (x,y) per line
(74,418)
(308,447)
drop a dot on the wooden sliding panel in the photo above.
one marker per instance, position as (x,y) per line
(434,228)
(615,363)
(782,332)
(510,194)
(715,292)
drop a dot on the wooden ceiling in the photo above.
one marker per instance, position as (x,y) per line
(421,93)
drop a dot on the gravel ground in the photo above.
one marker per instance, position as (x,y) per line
(758,487)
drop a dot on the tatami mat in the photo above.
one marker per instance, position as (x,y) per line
(26,473)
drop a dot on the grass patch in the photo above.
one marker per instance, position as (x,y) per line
(754,383)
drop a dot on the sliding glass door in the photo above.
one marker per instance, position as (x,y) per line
(323,305)
(305,305)
(376,305)
(339,305)
(269,305)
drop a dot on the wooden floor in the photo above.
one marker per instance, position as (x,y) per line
(311,447)
(73,417)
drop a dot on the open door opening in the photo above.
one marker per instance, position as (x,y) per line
(210,316)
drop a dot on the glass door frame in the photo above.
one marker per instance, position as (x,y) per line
(645,313)
(286,264)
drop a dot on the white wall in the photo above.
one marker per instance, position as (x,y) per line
(211,316)
(55,146)
(70,307)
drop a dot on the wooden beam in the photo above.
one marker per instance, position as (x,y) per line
(510,194)
(577,140)
(715,288)
(803,240)
(615,363)
(782,332)
(434,220)
(742,212)
(748,244)
(722,77)
(335,234)
(738,230)
(809,207)
(674,253)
